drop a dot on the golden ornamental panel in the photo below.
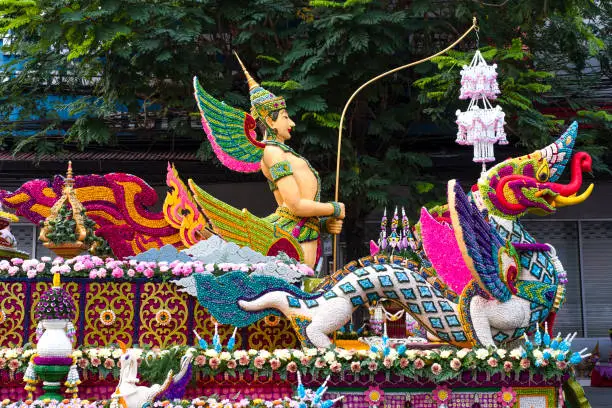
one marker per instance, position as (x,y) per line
(116,297)
(204,324)
(41,287)
(156,298)
(12,313)
(263,336)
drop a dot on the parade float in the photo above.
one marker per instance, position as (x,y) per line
(202,304)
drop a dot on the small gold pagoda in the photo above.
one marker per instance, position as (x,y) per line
(63,232)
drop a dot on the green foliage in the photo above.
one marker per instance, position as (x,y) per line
(136,59)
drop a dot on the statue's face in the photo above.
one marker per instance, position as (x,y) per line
(282,125)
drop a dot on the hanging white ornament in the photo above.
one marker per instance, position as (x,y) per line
(482,128)
(479,79)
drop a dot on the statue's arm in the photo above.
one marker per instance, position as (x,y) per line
(282,174)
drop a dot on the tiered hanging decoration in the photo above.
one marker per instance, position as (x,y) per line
(482,124)
(400,238)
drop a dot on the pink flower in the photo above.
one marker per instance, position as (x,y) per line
(436,368)
(508,366)
(418,363)
(372,366)
(320,363)
(93,274)
(259,362)
(404,362)
(231,364)
(355,366)
(200,360)
(83,363)
(214,363)
(275,363)
(95,362)
(117,273)
(335,367)
(140,268)
(525,363)
(561,365)
(2,362)
(31,273)
(40,267)
(292,367)
(131,273)
(244,360)
(149,273)
(14,364)
(305,360)
(387,362)
(102,273)
(492,362)
(109,363)
(455,364)
(16,261)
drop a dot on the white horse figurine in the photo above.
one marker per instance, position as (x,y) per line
(127,393)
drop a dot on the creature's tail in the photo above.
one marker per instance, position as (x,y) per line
(224,296)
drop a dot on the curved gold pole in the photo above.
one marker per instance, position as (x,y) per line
(336,194)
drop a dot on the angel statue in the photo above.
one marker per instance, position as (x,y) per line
(296,185)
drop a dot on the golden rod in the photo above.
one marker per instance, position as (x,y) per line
(384,74)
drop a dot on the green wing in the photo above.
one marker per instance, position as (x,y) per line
(231,132)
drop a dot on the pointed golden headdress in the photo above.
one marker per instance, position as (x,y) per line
(263,102)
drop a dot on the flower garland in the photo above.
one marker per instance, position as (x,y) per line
(434,365)
(94,267)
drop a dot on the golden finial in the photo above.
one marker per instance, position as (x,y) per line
(69,180)
(252,83)
(56,280)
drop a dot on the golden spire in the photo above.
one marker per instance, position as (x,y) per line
(252,83)
(69,181)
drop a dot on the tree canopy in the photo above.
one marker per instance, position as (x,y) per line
(133,61)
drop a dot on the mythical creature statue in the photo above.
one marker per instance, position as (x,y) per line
(129,395)
(295,183)
(482,278)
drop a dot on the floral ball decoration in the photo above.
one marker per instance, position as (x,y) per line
(107,317)
(55,304)
(506,397)
(375,396)
(442,394)
(163,317)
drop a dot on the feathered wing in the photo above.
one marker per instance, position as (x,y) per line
(492,262)
(231,132)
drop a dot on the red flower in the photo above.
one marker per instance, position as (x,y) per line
(244,360)
(525,363)
(355,366)
(305,360)
(492,362)
(320,363)
(436,368)
(231,364)
(561,365)
(95,361)
(404,362)
(508,366)
(292,367)
(335,367)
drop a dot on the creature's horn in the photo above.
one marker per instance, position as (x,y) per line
(252,83)
(558,153)
(123,346)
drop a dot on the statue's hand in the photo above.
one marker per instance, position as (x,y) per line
(334,225)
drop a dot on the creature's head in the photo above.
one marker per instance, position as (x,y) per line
(528,183)
(129,363)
